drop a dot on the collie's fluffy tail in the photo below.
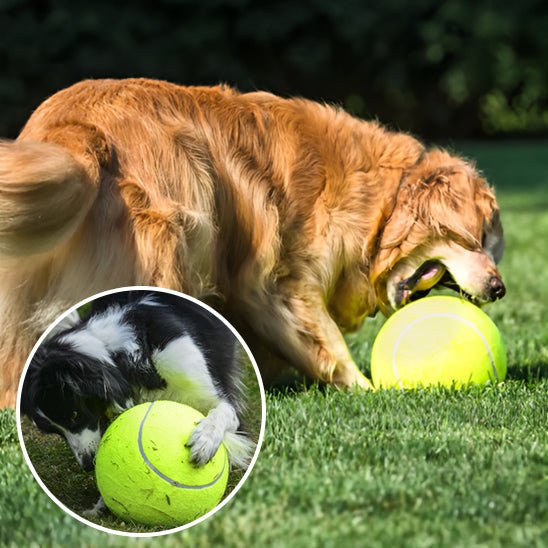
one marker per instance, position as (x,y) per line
(240,449)
(44,195)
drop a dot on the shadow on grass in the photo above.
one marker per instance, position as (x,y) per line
(291,384)
(528,373)
(288,390)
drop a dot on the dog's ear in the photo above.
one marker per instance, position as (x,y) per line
(452,198)
(453,203)
(108,384)
(400,222)
(86,378)
(393,234)
(493,237)
(443,197)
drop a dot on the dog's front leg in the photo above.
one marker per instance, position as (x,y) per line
(220,426)
(97,510)
(297,325)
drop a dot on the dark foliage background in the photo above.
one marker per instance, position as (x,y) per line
(458,68)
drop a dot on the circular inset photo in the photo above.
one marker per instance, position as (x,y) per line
(141,411)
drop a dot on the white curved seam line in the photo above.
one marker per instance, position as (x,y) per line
(442,315)
(161,474)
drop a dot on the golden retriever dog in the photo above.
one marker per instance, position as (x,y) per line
(293,218)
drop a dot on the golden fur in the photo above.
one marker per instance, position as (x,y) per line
(287,215)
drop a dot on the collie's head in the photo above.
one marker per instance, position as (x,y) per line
(72,394)
(444,230)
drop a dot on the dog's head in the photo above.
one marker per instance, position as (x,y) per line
(74,395)
(444,230)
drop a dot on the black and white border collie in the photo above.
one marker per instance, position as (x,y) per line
(133,347)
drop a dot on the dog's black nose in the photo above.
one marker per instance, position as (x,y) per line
(496,288)
(88,462)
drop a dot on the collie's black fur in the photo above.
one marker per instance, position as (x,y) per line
(137,346)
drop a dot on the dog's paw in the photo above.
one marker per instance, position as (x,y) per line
(364,383)
(204,441)
(97,511)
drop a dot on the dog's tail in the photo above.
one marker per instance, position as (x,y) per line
(240,449)
(45,192)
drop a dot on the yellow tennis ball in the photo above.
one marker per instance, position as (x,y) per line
(143,469)
(438,341)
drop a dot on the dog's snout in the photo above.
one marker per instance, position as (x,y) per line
(496,288)
(87,461)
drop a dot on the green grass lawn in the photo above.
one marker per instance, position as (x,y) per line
(423,468)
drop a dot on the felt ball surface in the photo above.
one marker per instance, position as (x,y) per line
(143,468)
(438,340)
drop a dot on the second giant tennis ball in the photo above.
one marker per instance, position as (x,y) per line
(438,341)
(143,470)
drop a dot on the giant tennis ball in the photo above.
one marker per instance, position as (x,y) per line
(143,470)
(438,341)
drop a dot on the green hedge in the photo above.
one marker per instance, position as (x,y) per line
(456,68)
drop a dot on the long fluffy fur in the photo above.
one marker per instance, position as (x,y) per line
(136,347)
(283,213)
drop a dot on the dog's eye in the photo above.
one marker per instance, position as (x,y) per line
(74,416)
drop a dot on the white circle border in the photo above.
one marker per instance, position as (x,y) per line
(227,499)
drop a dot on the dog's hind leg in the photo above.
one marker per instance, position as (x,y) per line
(173,244)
